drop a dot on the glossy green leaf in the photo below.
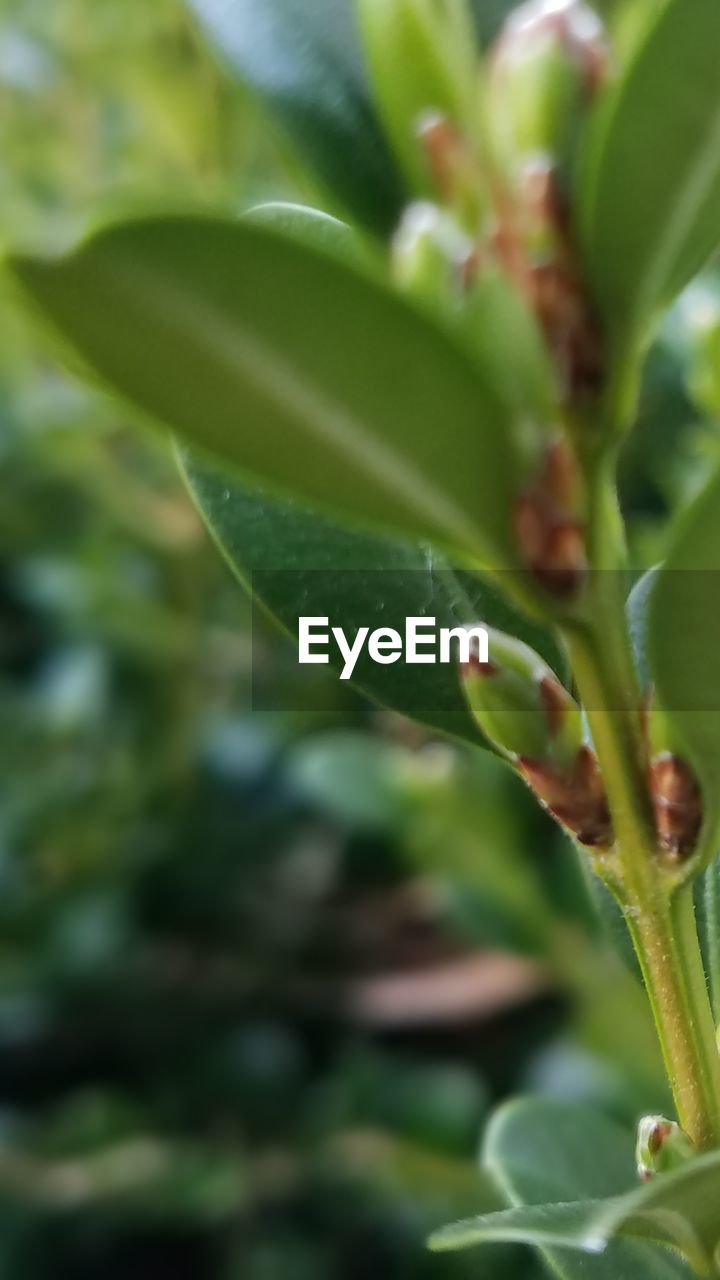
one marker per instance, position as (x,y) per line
(553,1158)
(651,190)
(297,562)
(683,652)
(294,367)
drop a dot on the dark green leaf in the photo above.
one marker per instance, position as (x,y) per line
(651,190)
(299,563)
(296,368)
(302,60)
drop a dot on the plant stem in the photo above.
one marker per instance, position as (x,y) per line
(659,915)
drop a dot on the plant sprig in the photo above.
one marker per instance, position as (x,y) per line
(459,395)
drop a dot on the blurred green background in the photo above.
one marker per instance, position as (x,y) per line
(262,977)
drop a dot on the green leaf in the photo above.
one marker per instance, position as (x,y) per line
(312,227)
(683,652)
(301,58)
(707,914)
(422,57)
(544,1151)
(297,562)
(297,368)
(677,1210)
(637,610)
(566,1226)
(651,187)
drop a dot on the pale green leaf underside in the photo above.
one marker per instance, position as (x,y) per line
(295,367)
(679,1211)
(569,1168)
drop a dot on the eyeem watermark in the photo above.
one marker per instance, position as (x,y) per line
(421,644)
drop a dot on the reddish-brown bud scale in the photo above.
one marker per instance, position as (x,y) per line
(532,522)
(575,796)
(574,26)
(561,478)
(452,166)
(564,565)
(677,803)
(657,1137)
(442,145)
(584,45)
(508,249)
(549,536)
(561,304)
(660,1134)
(475,667)
(541,196)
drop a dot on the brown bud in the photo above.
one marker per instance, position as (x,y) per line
(474,667)
(561,304)
(662,1146)
(575,796)
(677,803)
(564,566)
(549,536)
(453,167)
(561,478)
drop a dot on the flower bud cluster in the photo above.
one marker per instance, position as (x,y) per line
(493,251)
(526,713)
(545,70)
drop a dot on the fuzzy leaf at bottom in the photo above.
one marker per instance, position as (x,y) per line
(568,1171)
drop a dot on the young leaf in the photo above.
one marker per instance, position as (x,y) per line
(302,60)
(296,562)
(651,187)
(683,652)
(296,368)
(423,58)
(546,1152)
(638,605)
